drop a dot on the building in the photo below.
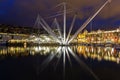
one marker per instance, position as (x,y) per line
(100,36)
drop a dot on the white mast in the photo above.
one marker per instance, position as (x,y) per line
(88,21)
(64,22)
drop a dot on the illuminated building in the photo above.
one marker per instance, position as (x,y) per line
(100,36)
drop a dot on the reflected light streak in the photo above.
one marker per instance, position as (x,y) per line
(49,59)
(100,53)
(64,59)
(82,64)
(59,56)
(68,56)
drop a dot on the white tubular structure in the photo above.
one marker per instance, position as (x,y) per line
(58,27)
(88,21)
(47,28)
(64,23)
(70,30)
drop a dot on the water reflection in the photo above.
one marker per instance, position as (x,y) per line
(64,53)
(100,53)
(16,51)
(59,52)
(44,50)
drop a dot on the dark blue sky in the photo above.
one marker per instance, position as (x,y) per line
(24,12)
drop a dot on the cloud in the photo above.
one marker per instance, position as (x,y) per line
(111,10)
(88,7)
(23,10)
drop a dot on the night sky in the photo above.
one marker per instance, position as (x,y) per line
(24,12)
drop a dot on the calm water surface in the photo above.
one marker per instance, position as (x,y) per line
(59,63)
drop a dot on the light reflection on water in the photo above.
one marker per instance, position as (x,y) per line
(99,53)
(66,53)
